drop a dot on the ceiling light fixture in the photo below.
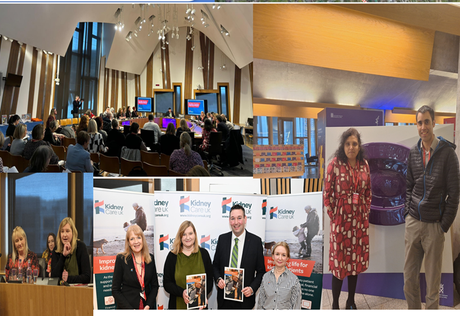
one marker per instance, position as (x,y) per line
(119,25)
(129,36)
(223,30)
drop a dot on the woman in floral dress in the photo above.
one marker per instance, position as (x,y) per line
(347,198)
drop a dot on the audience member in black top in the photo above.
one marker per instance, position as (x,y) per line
(13,121)
(115,140)
(128,112)
(134,112)
(50,136)
(107,123)
(182,128)
(40,159)
(133,140)
(38,132)
(222,127)
(169,113)
(169,142)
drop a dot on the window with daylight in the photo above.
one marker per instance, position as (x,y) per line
(79,70)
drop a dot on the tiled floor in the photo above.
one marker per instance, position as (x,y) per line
(364,302)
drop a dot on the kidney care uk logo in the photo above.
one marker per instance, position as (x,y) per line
(164,242)
(264,207)
(194,207)
(273,213)
(208,243)
(226,205)
(108,209)
(184,204)
(281,213)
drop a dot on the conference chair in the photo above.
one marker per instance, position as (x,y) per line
(164,160)
(94,157)
(19,162)
(60,152)
(148,136)
(155,170)
(6,158)
(172,173)
(214,149)
(66,142)
(152,158)
(128,165)
(109,164)
(53,168)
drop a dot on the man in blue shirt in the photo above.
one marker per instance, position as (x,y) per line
(78,158)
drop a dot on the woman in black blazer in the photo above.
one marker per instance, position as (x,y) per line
(185,258)
(135,281)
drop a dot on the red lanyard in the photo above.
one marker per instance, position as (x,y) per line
(141,276)
(424,155)
(355,174)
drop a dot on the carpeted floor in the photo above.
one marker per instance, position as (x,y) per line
(242,170)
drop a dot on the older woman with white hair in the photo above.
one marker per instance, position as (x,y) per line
(184,159)
(96,143)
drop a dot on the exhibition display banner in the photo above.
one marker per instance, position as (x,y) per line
(114,211)
(297,220)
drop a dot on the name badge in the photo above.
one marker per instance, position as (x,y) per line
(142,294)
(355,198)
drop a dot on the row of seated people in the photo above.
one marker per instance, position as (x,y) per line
(66,257)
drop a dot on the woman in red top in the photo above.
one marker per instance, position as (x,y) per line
(347,198)
(21,255)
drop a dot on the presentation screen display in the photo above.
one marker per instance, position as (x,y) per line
(144,104)
(195,107)
(166,121)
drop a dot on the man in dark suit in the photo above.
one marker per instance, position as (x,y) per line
(248,255)
(169,113)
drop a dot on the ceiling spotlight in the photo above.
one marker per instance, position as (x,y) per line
(218,7)
(224,31)
(135,33)
(129,36)
(44,52)
(200,68)
(193,47)
(188,11)
(214,6)
(5,38)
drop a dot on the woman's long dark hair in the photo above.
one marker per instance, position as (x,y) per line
(340,152)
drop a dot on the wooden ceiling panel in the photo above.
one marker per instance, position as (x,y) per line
(334,37)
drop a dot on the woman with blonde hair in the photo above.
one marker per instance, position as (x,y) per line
(185,258)
(19,140)
(183,127)
(21,256)
(71,263)
(135,291)
(184,159)
(96,143)
(280,288)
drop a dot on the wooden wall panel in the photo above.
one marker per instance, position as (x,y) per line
(237,96)
(113,88)
(124,90)
(41,87)
(48,86)
(333,37)
(149,85)
(22,54)
(33,73)
(188,89)
(11,68)
(106,86)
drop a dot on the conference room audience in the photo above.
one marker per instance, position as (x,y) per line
(207,129)
(12,122)
(38,132)
(40,159)
(126,285)
(184,159)
(100,124)
(48,253)
(96,143)
(21,255)
(115,140)
(133,140)
(183,127)
(169,142)
(78,158)
(19,140)
(71,263)
(83,126)
(152,126)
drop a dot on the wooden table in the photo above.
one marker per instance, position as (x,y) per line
(30,299)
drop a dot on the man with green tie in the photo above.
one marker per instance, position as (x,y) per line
(243,250)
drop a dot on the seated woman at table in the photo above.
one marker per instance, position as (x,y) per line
(19,140)
(184,159)
(207,129)
(83,126)
(185,258)
(128,112)
(48,253)
(38,132)
(71,263)
(12,123)
(96,143)
(169,142)
(202,116)
(183,127)
(280,288)
(21,255)
(139,290)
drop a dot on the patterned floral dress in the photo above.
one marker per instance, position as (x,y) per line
(10,264)
(349,238)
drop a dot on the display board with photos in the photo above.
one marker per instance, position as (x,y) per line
(273,161)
